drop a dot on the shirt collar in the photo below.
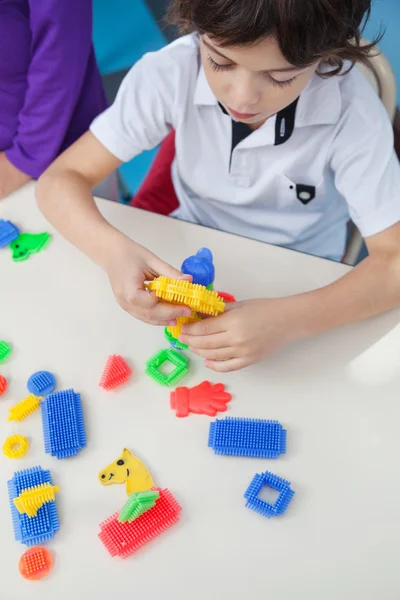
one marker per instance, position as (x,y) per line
(320,102)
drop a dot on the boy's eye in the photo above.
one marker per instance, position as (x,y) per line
(217,67)
(281,84)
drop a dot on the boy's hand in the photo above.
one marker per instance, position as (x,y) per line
(243,335)
(129,267)
(11,178)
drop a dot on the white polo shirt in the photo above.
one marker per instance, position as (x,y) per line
(294,182)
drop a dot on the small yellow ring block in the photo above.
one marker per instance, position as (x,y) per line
(15,446)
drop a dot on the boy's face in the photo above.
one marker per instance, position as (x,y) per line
(252,83)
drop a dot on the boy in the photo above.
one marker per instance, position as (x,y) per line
(271,142)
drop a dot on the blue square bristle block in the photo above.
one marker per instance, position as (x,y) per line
(8,233)
(256,438)
(261,506)
(63,425)
(32,530)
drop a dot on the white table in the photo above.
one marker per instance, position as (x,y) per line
(337,395)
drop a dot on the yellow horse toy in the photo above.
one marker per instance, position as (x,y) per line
(129,470)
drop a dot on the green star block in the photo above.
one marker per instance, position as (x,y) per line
(5,351)
(137,504)
(176,358)
(27,244)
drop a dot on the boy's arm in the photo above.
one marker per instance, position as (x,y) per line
(61,49)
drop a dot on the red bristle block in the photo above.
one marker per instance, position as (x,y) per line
(123,539)
(116,372)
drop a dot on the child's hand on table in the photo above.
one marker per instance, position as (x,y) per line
(128,268)
(243,335)
(11,178)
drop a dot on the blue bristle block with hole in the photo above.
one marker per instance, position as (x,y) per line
(255,438)
(41,528)
(8,233)
(63,424)
(266,509)
(41,383)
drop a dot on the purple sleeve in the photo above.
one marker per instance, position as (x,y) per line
(61,46)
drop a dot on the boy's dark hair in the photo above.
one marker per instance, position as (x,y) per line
(307,30)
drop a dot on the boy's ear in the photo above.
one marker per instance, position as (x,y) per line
(127,453)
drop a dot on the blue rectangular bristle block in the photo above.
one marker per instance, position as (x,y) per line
(41,528)
(254,502)
(63,425)
(256,438)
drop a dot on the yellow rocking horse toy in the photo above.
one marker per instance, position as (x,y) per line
(129,470)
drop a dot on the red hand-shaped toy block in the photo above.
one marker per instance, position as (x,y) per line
(204,399)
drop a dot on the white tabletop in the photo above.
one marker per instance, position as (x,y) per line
(337,396)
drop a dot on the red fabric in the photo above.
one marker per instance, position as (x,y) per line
(157,193)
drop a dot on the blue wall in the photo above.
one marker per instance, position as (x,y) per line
(386,14)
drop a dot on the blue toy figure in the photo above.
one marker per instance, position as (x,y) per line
(200,267)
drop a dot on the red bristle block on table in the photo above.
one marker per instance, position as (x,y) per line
(3,385)
(116,372)
(123,539)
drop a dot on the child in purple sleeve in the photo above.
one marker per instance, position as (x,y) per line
(50,87)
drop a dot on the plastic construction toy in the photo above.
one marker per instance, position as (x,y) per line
(35,563)
(30,500)
(41,383)
(180,362)
(175,330)
(174,342)
(179,291)
(127,469)
(39,529)
(27,244)
(15,446)
(255,438)
(200,267)
(123,539)
(8,233)
(261,506)
(5,350)
(116,372)
(226,297)
(24,408)
(204,399)
(63,424)
(137,505)
(3,385)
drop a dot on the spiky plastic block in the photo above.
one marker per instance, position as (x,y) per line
(180,362)
(24,408)
(137,504)
(256,438)
(261,506)
(35,563)
(123,539)
(116,372)
(41,383)
(30,500)
(5,350)
(15,446)
(8,233)
(63,424)
(175,330)
(3,385)
(39,529)
(179,291)
(174,342)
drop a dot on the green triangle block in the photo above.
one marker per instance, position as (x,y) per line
(137,504)
(5,350)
